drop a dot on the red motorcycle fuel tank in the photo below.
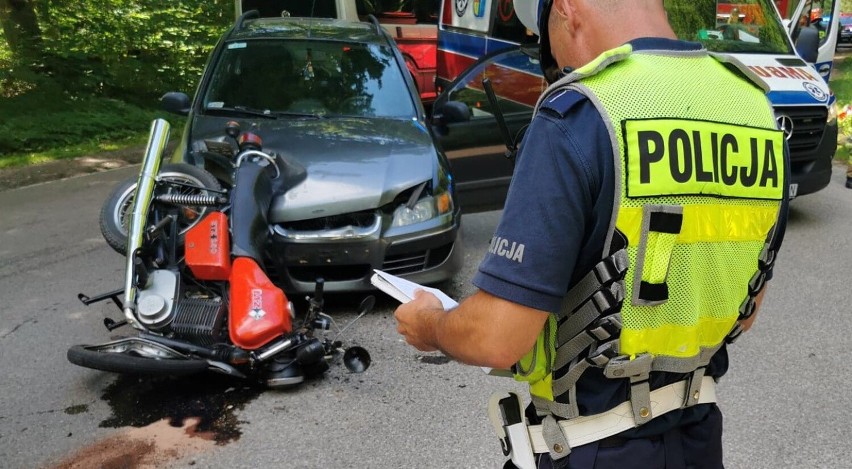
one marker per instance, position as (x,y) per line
(259,310)
(207,248)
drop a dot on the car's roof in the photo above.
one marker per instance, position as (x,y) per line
(308,29)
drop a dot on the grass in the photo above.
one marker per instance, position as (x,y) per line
(41,124)
(841,81)
(71,151)
(841,84)
(91,147)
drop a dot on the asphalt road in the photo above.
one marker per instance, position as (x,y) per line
(786,399)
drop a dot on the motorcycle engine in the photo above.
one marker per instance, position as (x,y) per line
(160,307)
(155,303)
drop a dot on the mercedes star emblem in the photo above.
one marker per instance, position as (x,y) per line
(785,124)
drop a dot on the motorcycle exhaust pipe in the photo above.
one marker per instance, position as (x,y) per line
(231,356)
(157,141)
(276,348)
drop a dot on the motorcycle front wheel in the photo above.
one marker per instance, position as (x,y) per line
(116,211)
(135,356)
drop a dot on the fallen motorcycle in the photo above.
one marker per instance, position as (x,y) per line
(195,289)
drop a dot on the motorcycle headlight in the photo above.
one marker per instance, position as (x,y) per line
(425,209)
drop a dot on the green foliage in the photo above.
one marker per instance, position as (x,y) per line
(88,148)
(841,81)
(61,121)
(101,67)
(842,154)
(121,47)
(841,85)
(687,17)
(127,49)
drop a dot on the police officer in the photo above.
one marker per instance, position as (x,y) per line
(640,228)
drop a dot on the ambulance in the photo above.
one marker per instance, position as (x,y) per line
(482,41)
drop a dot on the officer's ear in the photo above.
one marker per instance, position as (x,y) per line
(567,13)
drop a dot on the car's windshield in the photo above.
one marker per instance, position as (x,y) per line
(299,77)
(846,20)
(738,26)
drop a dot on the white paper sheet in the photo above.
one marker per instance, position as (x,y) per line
(403,291)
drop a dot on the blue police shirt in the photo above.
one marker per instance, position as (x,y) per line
(554,224)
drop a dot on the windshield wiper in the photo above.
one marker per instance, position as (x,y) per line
(298,114)
(267,113)
(243,110)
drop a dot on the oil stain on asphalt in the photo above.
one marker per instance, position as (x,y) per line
(213,400)
(163,420)
(434,359)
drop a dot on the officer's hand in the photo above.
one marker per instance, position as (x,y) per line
(416,320)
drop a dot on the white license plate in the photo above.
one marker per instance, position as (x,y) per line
(794,190)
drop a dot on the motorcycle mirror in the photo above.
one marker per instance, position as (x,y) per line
(356,359)
(232,129)
(366,305)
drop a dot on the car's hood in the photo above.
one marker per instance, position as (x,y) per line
(350,164)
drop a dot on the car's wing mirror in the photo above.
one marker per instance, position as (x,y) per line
(176,103)
(450,112)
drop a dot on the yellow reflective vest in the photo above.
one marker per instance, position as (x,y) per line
(700,177)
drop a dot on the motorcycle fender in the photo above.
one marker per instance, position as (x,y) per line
(259,311)
(208,253)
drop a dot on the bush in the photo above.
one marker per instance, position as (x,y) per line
(59,120)
(99,68)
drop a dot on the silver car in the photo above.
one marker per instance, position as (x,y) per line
(334,99)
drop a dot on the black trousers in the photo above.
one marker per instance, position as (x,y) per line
(693,446)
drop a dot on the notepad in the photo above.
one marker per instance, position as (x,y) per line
(403,291)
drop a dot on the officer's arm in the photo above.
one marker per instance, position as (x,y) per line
(483,330)
(747,323)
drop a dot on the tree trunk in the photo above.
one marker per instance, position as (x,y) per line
(21,29)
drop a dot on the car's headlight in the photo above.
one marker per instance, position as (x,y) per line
(832,113)
(425,209)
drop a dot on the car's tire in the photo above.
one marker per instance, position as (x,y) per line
(115,213)
(88,356)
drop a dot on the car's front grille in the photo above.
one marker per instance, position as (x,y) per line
(337,273)
(808,126)
(334,222)
(349,226)
(405,264)
(414,262)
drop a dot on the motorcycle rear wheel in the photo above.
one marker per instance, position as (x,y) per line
(118,207)
(135,356)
